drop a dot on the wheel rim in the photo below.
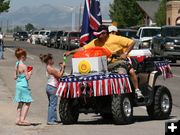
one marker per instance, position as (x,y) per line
(127,107)
(165,103)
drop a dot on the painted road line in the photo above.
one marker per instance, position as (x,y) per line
(28,56)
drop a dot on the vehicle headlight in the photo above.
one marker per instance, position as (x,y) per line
(169,46)
(64,39)
(145,45)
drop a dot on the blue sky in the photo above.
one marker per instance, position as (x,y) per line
(16,4)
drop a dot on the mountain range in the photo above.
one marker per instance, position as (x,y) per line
(44,16)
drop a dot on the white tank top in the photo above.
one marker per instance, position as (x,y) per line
(51,80)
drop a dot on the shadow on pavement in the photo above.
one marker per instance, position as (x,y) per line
(8,46)
(35,124)
(100,121)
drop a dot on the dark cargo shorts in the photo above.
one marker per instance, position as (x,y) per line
(119,65)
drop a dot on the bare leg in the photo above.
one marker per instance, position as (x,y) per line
(135,83)
(134,78)
(19,111)
(25,110)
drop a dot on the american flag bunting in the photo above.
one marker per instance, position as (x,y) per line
(99,85)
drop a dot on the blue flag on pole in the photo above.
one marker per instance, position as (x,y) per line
(92,19)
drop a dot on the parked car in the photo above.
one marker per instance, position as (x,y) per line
(41,34)
(58,39)
(34,37)
(144,36)
(167,43)
(71,41)
(51,39)
(21,35)
(130,33)
(43,38)
(63,40)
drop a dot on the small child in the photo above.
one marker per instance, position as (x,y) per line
(52,83)
(23,92)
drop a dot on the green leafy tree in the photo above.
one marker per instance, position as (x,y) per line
(4,5)
(160,16)
(126,13)
(29,27)
(18,28)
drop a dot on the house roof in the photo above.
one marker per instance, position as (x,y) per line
(149,7)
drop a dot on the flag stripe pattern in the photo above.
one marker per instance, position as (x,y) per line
(92,19)
(164,68)
(98,85)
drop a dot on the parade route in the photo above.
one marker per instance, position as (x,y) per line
(87,124)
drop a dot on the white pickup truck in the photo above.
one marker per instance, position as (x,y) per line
(144,37)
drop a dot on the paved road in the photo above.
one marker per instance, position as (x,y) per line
(87,124)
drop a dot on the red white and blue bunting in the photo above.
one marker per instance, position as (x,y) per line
(164,68)
(99,85)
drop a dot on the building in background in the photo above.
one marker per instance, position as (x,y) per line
(148,9)
(173,13)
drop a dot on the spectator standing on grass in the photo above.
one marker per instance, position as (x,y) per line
(23,93)
(53,75)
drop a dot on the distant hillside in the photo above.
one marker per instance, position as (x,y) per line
(43,16)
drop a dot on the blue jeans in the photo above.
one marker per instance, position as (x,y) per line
(1,51)
(52,111)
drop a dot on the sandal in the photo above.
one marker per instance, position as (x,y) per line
(23,124)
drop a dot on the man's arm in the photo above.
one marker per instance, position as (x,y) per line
(73,51)
(89,45)
(130,47)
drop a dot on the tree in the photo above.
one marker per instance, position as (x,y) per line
(126,13)
(29,27)
(4,5)
(160,16)
(18,28)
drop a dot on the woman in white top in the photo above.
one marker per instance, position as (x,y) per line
(52,83)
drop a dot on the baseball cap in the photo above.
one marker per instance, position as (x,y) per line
(112,28)
(100,30)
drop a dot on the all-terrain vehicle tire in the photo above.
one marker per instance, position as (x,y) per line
(68,111)
(162,104)
(122,109)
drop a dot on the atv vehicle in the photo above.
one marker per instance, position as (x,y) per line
(95,90)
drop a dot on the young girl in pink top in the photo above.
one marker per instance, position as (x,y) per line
(52,83)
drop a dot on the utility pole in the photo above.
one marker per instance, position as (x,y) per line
(73,14)
(80,7)
(1,25)
(7,26)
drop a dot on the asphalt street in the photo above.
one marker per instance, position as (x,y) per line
(87,124)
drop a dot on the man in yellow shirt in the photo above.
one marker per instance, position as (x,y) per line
(116,45)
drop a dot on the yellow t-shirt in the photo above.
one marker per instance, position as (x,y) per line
(113,43)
